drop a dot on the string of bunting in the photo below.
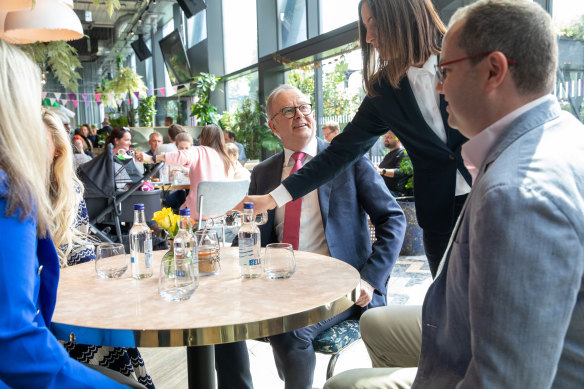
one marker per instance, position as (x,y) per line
(64,98)
(318,63)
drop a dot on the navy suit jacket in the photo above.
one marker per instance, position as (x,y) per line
(435,162)
(345,203)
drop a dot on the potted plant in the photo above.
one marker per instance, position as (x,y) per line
(147,111)
(204,84)
(249,122)
(413,240)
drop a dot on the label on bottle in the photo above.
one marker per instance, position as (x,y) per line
(245,251)
(148,258)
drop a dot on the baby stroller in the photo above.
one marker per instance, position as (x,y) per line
(106,204)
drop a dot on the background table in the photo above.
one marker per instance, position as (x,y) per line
(225,308)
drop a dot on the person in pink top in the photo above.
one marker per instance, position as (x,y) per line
(207,162)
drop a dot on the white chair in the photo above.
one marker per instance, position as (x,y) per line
(214,198)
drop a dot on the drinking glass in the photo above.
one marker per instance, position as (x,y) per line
(279,260)
(110,260)
(261,218)
(207,242)
(178,279)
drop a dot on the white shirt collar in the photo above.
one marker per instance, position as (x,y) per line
(428,69)
(475,150)
(310,149)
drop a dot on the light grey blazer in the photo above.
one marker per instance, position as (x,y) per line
(507,310)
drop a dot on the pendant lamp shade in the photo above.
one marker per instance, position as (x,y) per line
(15,5)
(7,38)
(48,20)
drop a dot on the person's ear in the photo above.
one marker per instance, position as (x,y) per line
(272,126)
(498,68)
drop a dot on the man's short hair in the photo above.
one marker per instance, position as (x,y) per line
(174,130)
(155,133)
(333,126)
(182,137)
(275,93)
(230,134)
(521,30)
(169,119)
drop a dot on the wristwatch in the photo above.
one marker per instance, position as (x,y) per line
(382,171)
(154,158)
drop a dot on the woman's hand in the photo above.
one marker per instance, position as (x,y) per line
(261,203)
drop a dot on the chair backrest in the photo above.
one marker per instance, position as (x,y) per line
(218,197)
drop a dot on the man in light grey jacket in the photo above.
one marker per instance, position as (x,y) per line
(506,308)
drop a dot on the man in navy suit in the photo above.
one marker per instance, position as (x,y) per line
(333,222)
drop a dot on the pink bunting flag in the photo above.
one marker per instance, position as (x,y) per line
(111,96)
(43,95)
(84,95)
(137,94)
(52,100)
(64,101)
(75,103)
(57,95)
(86,103)
(98,97)
(129,101)
(71,96)
(162,90)
(119,102)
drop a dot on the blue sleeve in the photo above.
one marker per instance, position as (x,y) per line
(389,221)
(31,356)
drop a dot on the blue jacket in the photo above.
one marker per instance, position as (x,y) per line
(345,203)
(29,273)
(507,309)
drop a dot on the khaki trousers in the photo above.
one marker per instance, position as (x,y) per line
(393,337)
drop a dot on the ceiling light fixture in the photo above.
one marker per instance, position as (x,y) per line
(48,20)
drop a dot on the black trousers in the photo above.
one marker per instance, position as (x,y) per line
(435,242)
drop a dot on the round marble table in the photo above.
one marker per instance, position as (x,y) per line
(225,308)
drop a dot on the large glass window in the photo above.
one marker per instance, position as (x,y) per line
(291,22)
(337,13)
(197,28)
(240,36)
(167,29)
(240,88)
(568,16)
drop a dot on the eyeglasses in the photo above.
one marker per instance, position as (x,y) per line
(440,72)
(290,112)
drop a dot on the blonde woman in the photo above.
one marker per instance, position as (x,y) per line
(69,233)
(29,265)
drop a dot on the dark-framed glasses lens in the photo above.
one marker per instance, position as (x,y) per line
(305,109)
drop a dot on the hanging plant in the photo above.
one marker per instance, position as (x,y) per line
(146,111)
(202,87)
(110,5)
(61,59)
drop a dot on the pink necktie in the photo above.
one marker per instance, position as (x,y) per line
(292,214)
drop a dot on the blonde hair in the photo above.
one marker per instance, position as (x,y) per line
(183,137)
(63,190)
(24,156)
(232,150)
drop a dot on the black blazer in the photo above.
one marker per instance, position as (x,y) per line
(435,162)
(345,203)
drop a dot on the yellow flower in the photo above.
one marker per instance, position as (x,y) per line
(167,220)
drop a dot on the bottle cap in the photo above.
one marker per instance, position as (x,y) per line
(138,207)
(184,212)
(247,205)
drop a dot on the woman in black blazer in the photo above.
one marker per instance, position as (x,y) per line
(401,96)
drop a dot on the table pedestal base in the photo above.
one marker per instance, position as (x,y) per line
(201,367)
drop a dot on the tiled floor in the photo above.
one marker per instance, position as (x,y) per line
(408,284)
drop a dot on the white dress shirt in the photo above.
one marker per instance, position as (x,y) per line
(311,236)
(423,82)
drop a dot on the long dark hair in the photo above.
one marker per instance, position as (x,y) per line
(212,136)
(411,30)
(117,133)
